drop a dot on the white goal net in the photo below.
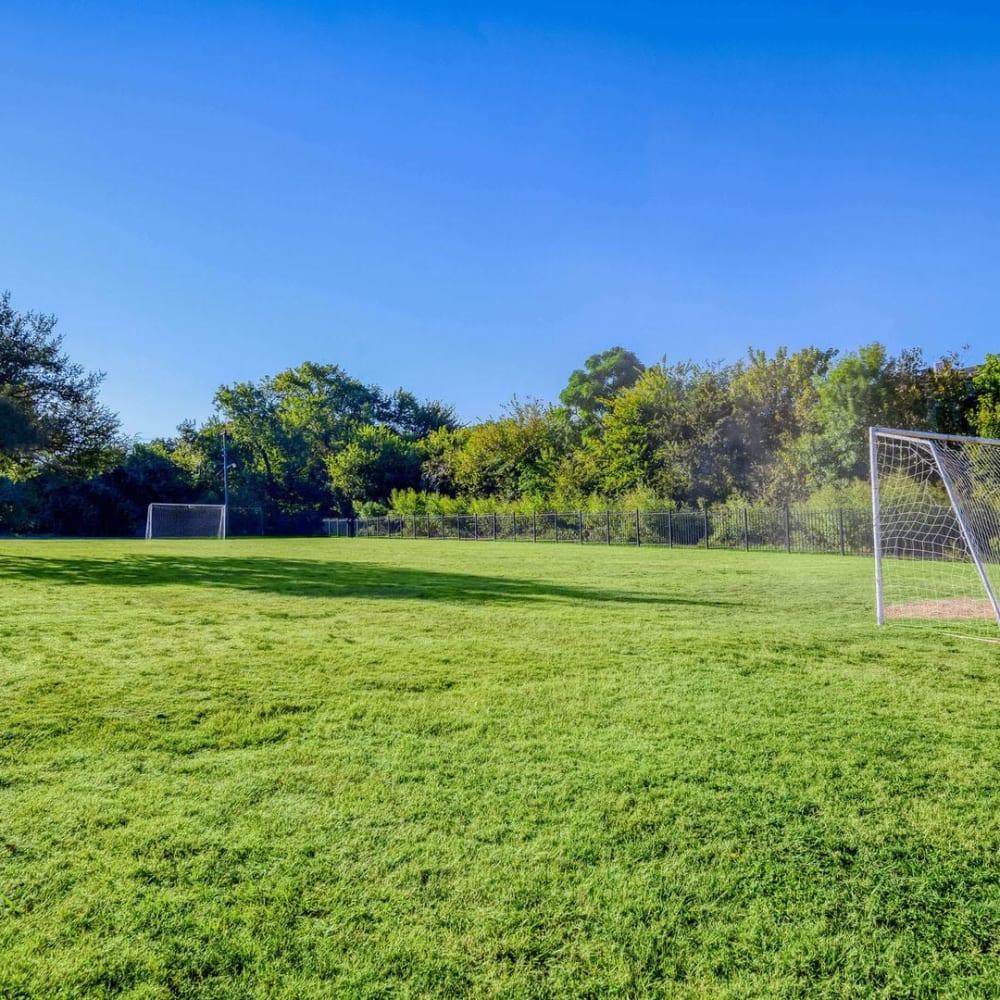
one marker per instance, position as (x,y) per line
(936,519)
(186,520)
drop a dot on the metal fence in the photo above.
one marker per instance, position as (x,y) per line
(847,532)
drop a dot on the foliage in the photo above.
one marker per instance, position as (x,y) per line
(603,376)
(951,396)
(313,437)
(50,416)
(665,433)
(312,441)
(512,457)
(411,501)
(853,495)
(412,419)
(439,453)
(373,463)
(865,388)
(288,425)
(775,402)
(986,382)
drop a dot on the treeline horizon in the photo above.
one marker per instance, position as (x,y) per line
(780,429)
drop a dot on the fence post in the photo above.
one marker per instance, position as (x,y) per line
(607,525)
(579,521)
(475,528)
(788,532)
(555,521)
(494,526)
(706,527)
(670,530)
(534,525)
(514,525)
(638,534)
(746,530)
(840,528)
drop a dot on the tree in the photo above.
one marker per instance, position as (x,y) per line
(951,396)
(604,376)
(864,388)
(308,442)
(288,425)
(439,454)
(511,458)
(18,431)
(373,464)
(412,419)
(50,416)
(774,402)
(667,433)
(986,419)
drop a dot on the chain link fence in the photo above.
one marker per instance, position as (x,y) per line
(847,532)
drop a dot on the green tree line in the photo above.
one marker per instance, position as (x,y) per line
(312,441)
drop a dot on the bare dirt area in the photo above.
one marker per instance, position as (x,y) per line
(958,608)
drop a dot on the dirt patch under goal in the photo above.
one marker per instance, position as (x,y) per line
(954,607)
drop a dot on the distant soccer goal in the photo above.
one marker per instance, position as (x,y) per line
(936,520)
(186,520)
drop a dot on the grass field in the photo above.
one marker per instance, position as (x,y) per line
(353,768)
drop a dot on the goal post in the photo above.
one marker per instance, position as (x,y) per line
(935,525)
(186,520)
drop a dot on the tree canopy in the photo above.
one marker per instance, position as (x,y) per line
(314,441)
(590,390)
(50,415)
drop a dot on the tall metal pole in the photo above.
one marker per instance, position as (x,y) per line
(876,525)
(225,486)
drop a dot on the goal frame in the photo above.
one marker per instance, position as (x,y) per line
(221,508)
(968,535)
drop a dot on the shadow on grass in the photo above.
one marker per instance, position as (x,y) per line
(306,578)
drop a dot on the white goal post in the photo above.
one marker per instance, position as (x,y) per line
(936,525)
(186,520)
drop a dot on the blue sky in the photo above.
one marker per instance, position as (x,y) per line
(467,201)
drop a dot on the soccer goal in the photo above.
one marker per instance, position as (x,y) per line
(936,520)
(186,520)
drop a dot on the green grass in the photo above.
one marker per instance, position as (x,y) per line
(355,768)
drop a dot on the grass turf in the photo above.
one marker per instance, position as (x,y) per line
(406,768)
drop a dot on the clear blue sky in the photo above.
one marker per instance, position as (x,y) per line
(467,201)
